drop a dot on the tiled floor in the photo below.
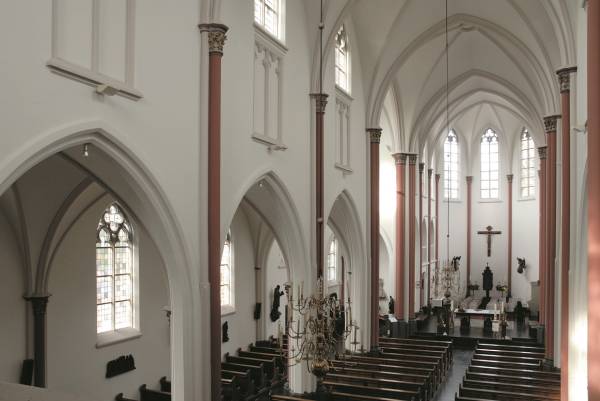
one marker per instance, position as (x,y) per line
(461,360)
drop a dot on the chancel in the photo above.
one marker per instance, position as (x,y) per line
(290,200)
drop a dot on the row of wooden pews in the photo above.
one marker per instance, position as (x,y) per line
(146,394)
(509,370)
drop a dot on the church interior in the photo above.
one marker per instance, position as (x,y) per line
(292,200)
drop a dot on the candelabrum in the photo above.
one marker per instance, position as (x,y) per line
(317,328)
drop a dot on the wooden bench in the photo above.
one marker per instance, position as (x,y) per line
(165,385)
(396,394)
(438,344)
(379,382)
(514,379)
(508,358)
(398,365)
(245,381)
(417,350)
(152,395)
(489,394)
(550,392)
(338,396)
(269,365)
(279,364)
(120,397)
(288,398)
(256,372)
(434,362)
(482,361)
(511,347)
(538,355)
(230,389)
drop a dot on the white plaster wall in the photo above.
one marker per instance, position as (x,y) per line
(13,308)
(74,364)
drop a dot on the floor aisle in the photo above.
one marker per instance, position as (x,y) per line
(461,360)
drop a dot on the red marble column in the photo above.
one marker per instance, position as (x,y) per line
(542,150)
(400,231)
(421,236)
(320,103)
(429,235)
(469,214)
(412,177)
(437,232)
(593,137)
(509,178)
(564,76)
(550,127)
(216,41)
(374,139)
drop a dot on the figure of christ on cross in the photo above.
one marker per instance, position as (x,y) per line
(488,231)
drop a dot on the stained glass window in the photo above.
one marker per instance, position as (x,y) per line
(342,60)
(490,165)
(267,14)
(332,257)
(528,175)
(226,273)
(114,272)
(451,166)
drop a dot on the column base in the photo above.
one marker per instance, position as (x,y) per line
(541,334)
(412,327)
(400,329)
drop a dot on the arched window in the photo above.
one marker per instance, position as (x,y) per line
(490,165)
(527,165)
(268,15)
(451,166)
(115,298)
(342,60)
(227,274)
(332,257)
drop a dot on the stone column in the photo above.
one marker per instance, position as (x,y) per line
(429,255)
(437,232)
(469,213)
(320,103)
(421,236)
(400,231)
(550,127)
(564,77)
(542,151)
(374,139)
(412,177)
(39,304)
(593,138)
(509,178)
(216,41)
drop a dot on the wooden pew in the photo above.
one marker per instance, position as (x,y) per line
(230,389)
(538,355)
(379,382)
(483,361)
(487,394)
(152,395)
(550,392)
(514,379)
(443,349)
(245,381)
(120,397)
(287,398)
(507,358)
(392,393)
(269,365)
(416,350)
(339,396)
(438,344)
(257,373)
(279,363)
(165,385)
(434,362)
(538,374)
(422,380)
(401,365)
(511,347)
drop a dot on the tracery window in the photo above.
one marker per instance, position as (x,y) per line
(451,166)
(267,14)
(490,165)
(342,60)
(115,296)
(528,174)
(332,258)
(227,273)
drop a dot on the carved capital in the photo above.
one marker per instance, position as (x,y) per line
(437,177)
(374,134)
(550,123)
(510,177)
(430,173)
(412,158)
(216,36)
(38,304)
(320,101)
(543,152)
(421,167)
(564,78)
(400,158)
(469,179)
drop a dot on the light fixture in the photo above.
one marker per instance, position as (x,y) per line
(86,150)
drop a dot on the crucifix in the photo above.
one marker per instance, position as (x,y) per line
(488,231)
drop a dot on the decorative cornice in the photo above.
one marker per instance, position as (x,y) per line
(412,158)
(564,78)
(400,158)
(421,167)
(216,36)
(550,123)
(469,179)
(543,152)
(320,101)
(374,134)
(510,177)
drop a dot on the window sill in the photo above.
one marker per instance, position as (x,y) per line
(496,200)
(269,142)
(227,310)
(267,38)
(343,94)
(345,169)
(117,336)
(446,200)
(91,78)
(531,198)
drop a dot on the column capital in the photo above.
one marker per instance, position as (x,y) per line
(429,172)
(374,134)
(400,158)
(543,152)
(469,179)
(412,158)
(437,177)
(564,78)
(216,36)
(38,303)
(510,177)
(421,167)
(320,101)
(550,123)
